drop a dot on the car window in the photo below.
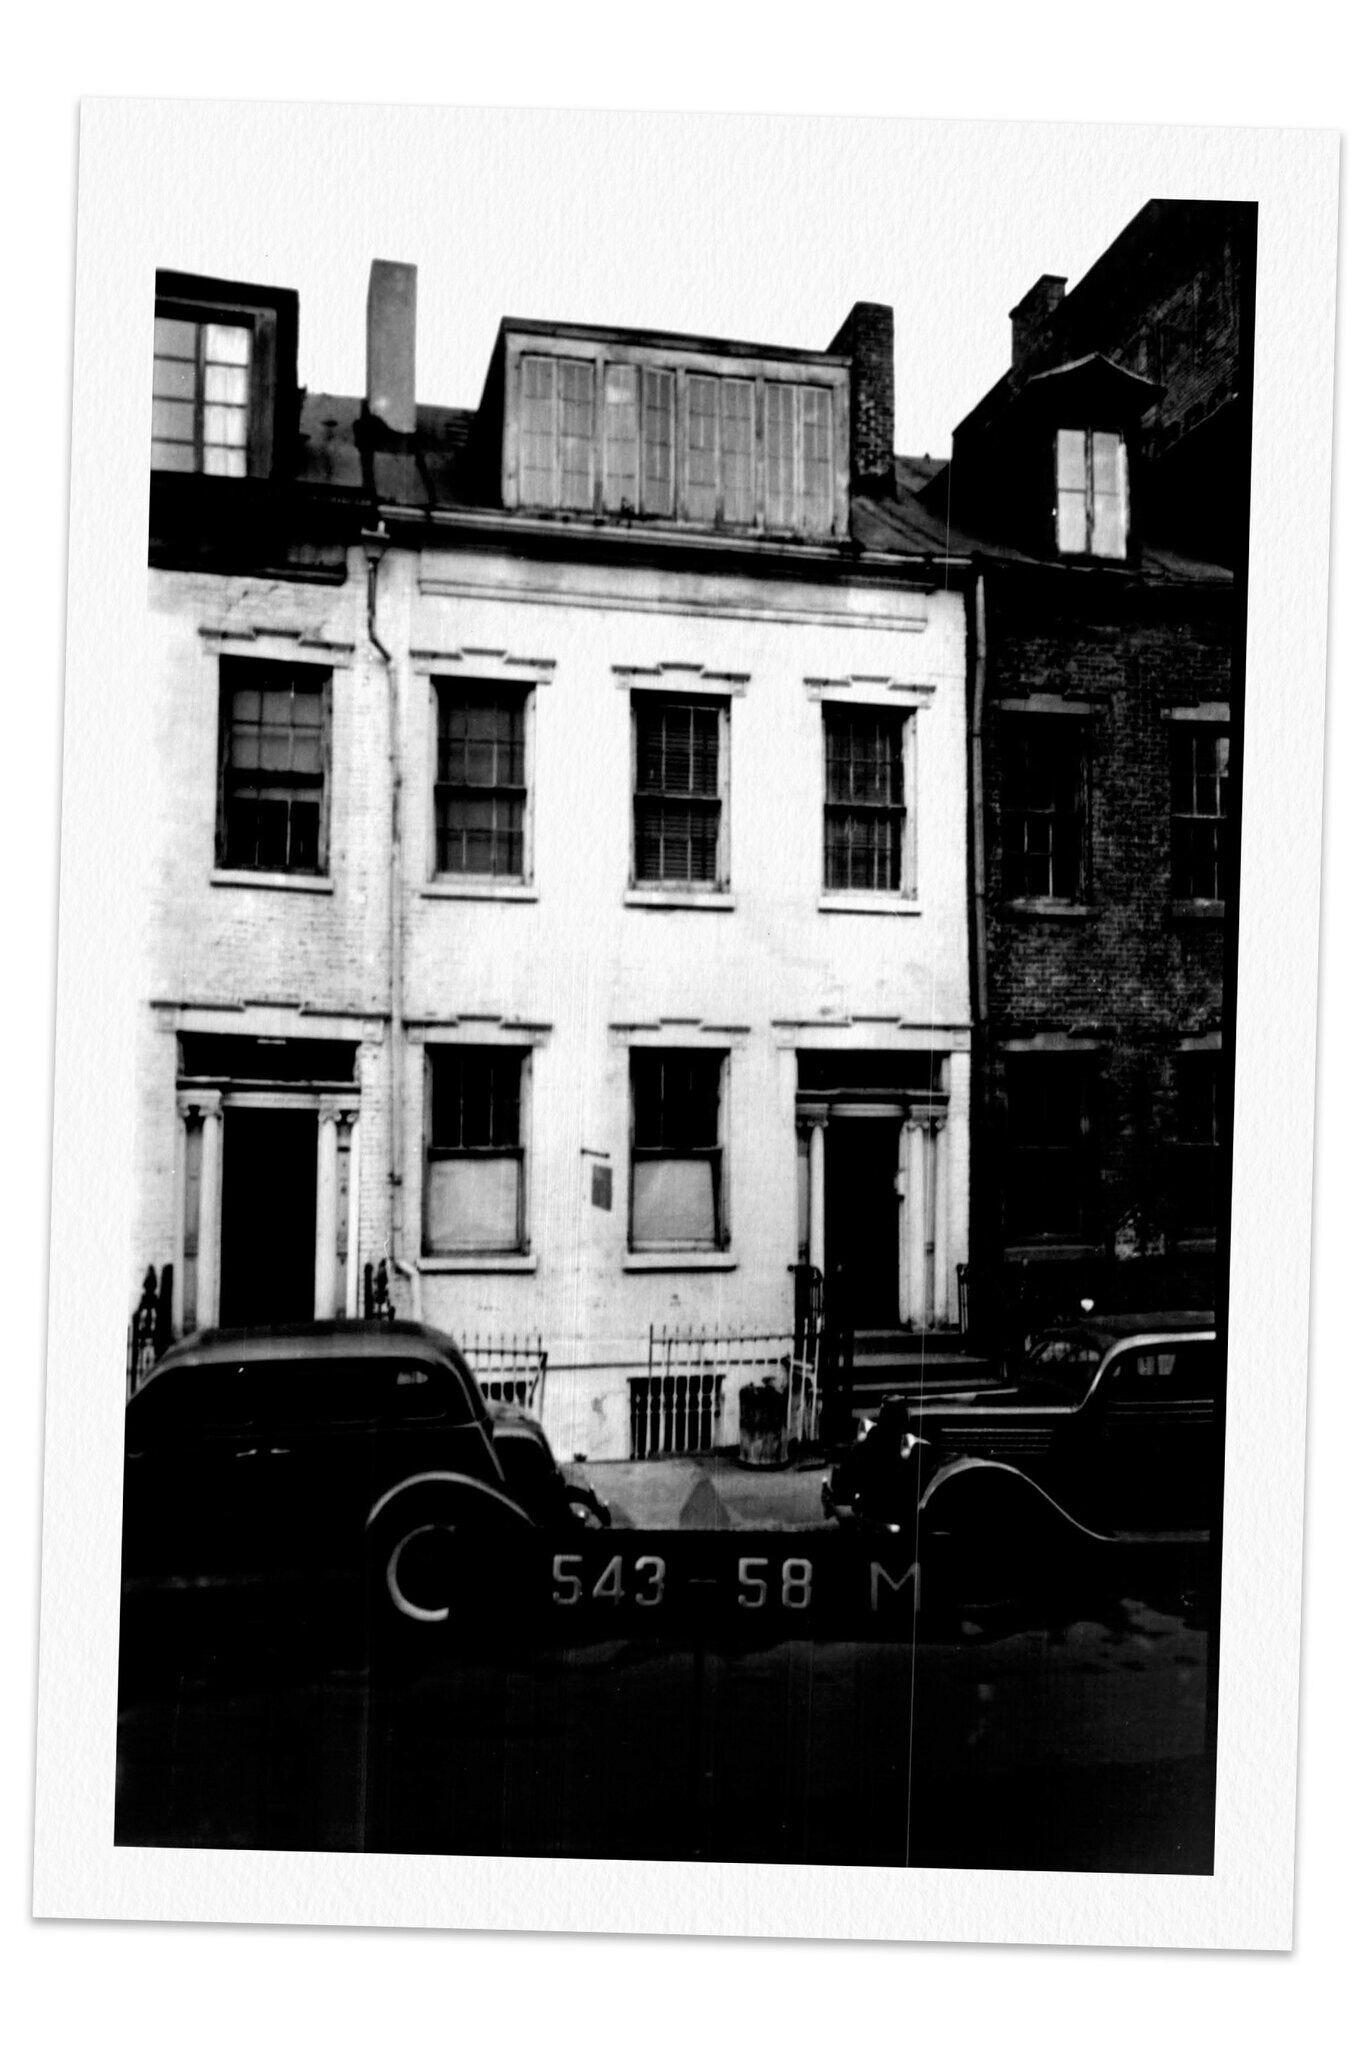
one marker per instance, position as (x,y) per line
(353,1390)
(186,1401)
(1165,1372)
(1062,1365)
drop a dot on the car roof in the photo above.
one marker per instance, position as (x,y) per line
(294,1343)
(1105,1330)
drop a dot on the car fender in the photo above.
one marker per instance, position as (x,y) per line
(425,1504)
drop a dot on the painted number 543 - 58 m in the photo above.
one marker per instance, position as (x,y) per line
(759,1582)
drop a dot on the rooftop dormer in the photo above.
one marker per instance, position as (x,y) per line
(224,376)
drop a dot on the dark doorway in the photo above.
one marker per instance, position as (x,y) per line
(270,1197)
(862,1219)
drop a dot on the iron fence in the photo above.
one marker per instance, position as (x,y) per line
(510,1370)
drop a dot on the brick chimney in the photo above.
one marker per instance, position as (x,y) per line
(1032,315)
(391,345)
(866,337)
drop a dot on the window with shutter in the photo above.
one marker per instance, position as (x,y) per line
(865,798)
(679,791)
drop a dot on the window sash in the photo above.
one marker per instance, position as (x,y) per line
(1043,813)
(273,774)
(675,1201)
(798,457)
(1048,1177)
(202,372)
(474,1201)
(480,792)
(1200,776)
(678,792)
(865,810)
(474,1190)
(1091,493)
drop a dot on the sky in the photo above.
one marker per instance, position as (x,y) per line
(757,228)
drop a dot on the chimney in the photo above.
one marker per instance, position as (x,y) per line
(1032,315)
(866,337)
(391,345)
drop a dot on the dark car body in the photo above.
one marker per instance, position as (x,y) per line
(534,1478)
(1116,1418)
(265,1450)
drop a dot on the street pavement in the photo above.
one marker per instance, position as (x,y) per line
(709,1492)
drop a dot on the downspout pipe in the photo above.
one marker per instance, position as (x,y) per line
(979,836)
(375,542)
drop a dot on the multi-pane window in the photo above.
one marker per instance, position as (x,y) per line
(679,773)
(1092,493)
(654,441)
(475,1199)
(1198,1139)
(201,396)
(273,789)
(480,782)
(1047,1182)
(798,450)
(1043,807)
(558,432)
(865,798)
(1199,811)
(676,1151)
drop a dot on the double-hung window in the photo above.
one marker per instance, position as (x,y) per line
(677,1196)
(680,746)
(1044,807)
(481,781)
(475,1181)
(1092,507)
(865,798)
(1197,1143)
(273,725)
(201,395)
(1047,1185)
(1199,813)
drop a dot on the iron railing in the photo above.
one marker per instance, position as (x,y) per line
(510,1370)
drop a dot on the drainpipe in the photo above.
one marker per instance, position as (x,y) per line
(375,542)
(979,837)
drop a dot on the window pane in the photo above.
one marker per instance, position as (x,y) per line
(621,438)
(673,1203)
(172,379)
(658,488)
(474,1204)
(1108,536)
(227,344)
(779,455)
(737,451)
(171,420)
(1072,459)
(224,385)
(225,462)
(576,435)
(538,430)
(225,425)
(1071,522)
(176,338)
(172,455)
(1107,458)
(701,472)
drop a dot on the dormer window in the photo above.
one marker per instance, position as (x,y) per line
(201,396)
(224,394)
(1092,514)
(620,431)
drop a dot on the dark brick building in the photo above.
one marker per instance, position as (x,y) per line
(1100,489)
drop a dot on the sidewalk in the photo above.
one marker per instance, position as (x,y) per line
(709,1492)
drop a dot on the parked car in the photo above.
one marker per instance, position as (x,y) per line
(1115,1418)
(533,1477)
(269,1451)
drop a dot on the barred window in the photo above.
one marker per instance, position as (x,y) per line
(201,396)
(1199,810)
(273,780)
(1048,1178)
(475,1152)
(865,800)
(679,780)
(676,1151)
(1092,516)
(481,789)
(1044,807)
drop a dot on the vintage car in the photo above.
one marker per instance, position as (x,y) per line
(532,1476)
(270,1451)
(1116,1419)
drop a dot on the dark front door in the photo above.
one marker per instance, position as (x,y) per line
(862,1219)
(270,1194)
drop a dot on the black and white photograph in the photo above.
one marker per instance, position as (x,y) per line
(674,1290)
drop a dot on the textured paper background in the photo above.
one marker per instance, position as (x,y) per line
(148,172)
